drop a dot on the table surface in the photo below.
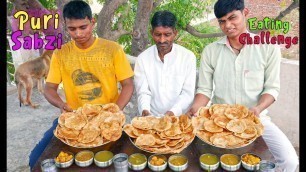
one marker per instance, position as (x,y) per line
(124,145)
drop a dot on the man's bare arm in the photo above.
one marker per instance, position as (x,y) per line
(50,93)
(264,102)
(126,92)
(199,100)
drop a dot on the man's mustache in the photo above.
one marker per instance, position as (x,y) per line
(164,43)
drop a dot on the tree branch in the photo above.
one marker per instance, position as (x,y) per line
(194,32)
(105,18)
(292,6)
(190,29)
(157,3)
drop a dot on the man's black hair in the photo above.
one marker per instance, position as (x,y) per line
(163,18)
(77,10)
(223,7)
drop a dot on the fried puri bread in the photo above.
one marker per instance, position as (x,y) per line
(63,117)
(90,125)
(129,130)
(89,109)
(111,107)
(184,121)
(248,133)
(145,140)
(221,121)
(236,126)
(240,126)
(203,112)
(212,127)
(173,130)
(233,113)
(87,136)
(169,134)
(76,122)
(111,130)
(141,123)
(68,133)
(164,123)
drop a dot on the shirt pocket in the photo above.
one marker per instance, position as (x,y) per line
(254,81)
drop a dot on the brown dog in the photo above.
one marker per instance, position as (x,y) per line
(36,68)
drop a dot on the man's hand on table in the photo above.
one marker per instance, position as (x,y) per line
(169,113)
(256,110)
(65,108)
(145,113)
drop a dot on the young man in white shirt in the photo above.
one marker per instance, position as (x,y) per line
(243,74)
(165,73)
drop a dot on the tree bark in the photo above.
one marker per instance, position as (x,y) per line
(140,30)
(105,19)
(60,5)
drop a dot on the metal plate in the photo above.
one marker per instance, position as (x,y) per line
(240,146)
(80,146)
(157,152)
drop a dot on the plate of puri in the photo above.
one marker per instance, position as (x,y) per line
(227,126)
(90,126)
(163,135)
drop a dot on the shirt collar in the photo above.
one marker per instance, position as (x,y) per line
(169,54)
(224,39)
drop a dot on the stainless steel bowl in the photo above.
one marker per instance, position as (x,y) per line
(209,167)
(250,167)
(140,166)
(177,167)
(158,167)
(230,167)
(84,163)
(65,164)
(48,165)
(267,166)
(103,163)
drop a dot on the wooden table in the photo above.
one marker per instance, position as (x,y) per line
(123,145)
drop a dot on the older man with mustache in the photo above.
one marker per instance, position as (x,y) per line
(165,73)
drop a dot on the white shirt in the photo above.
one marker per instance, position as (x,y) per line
(168,86)
(242,78)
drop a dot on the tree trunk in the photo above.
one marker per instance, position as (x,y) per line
(140,30)
(60,5)
(105,19)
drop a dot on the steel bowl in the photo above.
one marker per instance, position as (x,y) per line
(267,166)
(84,163)
(250,167)
(158,167)
(209,167)
(65,164)
(48,165)
(103,163)
(228,167)
(139,166)
(177,167)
